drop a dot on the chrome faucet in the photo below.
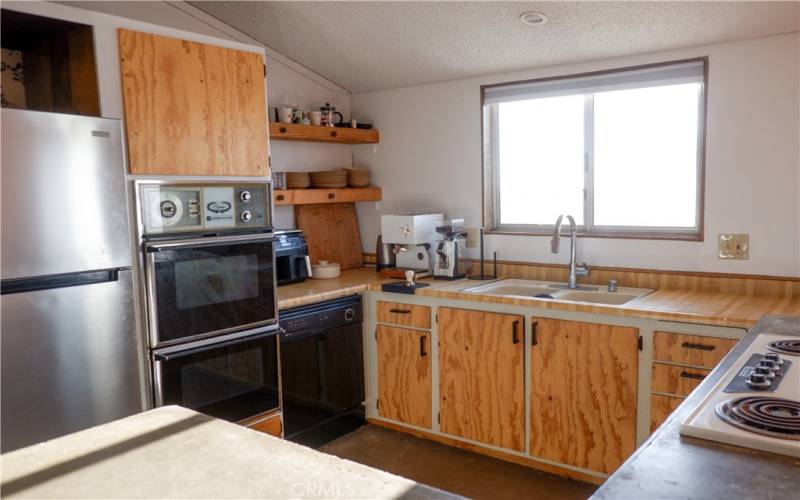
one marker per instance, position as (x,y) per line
(574,270)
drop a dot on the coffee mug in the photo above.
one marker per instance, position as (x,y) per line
(285,114)
(316,117)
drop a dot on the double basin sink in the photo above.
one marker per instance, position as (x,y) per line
(558,291)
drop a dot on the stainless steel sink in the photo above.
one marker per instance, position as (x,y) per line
(557,291)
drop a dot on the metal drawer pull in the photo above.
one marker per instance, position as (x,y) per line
(400,311)
(702,347)
(514,334)
(692,375)
(422,351)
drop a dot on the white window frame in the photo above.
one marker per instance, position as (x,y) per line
(491,194)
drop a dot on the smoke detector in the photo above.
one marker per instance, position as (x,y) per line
(533,18)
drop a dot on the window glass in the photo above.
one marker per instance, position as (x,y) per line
(645,156)
(541,159)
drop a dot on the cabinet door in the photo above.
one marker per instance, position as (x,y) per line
(583,393)
(660,408)
(191,108)
(482,376)
(404,375)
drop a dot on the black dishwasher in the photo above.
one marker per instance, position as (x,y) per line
(322,370)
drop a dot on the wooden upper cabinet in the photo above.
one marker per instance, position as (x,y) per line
(192,108)
(404,375)
(583,393)
(482,376)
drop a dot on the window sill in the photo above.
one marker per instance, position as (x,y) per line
(697,237)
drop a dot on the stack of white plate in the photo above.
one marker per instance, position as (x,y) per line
(357,178)
(297,180)
(329,179)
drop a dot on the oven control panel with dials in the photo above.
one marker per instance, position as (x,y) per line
(170,208)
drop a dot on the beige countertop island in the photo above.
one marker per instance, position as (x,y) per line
(172,452)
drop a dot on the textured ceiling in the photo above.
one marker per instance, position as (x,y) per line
(376,45)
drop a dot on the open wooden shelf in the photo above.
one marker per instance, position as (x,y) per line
(315,133)
(340,195)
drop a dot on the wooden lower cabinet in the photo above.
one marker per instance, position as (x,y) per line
(694,350)
(404,375)
(583,393)
(270,425)
(482,376)
(678,380)
(660,408)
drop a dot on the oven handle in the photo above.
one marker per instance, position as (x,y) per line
(208,242)
(170,355)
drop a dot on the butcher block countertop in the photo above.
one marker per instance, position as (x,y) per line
(172,452)
(669,465)
(723,309)
(350,282)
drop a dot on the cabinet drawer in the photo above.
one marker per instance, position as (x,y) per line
(397,313)
(690,349)
(676,380)
(660,408)
(271,425)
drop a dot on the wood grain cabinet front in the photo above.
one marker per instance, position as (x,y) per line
(482,376)
(694,350)
(661,407)
(404,375)
(397,313)
(583,393)
(271,425)
(677,380)
(192,108)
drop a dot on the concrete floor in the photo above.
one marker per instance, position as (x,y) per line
(452,469)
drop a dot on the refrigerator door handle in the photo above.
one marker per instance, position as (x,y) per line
(60,281)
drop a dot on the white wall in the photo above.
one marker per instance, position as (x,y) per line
(430,158)
(181,20)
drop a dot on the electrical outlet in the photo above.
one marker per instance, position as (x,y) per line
(473,237)
(734,246)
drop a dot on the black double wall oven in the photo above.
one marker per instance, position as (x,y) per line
(210,295)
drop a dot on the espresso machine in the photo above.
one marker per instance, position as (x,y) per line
(412,237)
(448,249)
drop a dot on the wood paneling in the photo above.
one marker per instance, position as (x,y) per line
(678,380)
(583,393)
(401,314)
(404,375)
(492,452)
(331,233)
(314,133)
(690,349)
(312,196)
(482,376)
(192,108)
(660,409)
(271,425)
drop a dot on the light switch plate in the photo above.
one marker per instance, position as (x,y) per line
(734,246)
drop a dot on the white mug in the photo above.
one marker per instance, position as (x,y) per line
(316,117)
(285,114)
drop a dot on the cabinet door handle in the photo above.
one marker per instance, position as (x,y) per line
(701,347)
(534,341)
(514,334)
(694,376)
(400,311)
(422,351)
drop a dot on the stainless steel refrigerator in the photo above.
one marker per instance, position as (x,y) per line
(68,342)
